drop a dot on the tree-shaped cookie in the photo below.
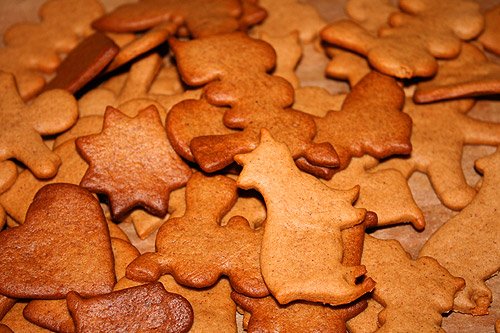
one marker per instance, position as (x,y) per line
(201,18)
(46,257)
(470,74)
(234,68)
(302,213)
(22,125)
(369,122)
(440,131)
(32,49)
(425,30)
(384,191)
(475,253)
(146,308)
(414,293)
(132,162)
(196,250)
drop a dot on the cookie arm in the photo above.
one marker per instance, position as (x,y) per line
(481,132)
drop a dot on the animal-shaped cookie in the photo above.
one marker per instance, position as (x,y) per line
(385,192)
(425,30)
(132,162)
(473,235)
(440,130)
(369,122)
(302,213)
(126,310)
(45,257)
(414,293)
(201,18)
(287,16)
(256,100)
(470,74)
(32,49)
(22,125)
(196,250)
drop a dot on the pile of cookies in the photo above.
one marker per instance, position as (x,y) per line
(229,165)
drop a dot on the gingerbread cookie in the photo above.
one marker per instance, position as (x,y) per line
(370,14)
(15,322)
(48,247)
(248,93)
(470,74)
(32,49)
(317,101)
(474,253)
(84,63)
(125,311)
(182,242)
(376,101)
(440,131)
(414,293)
(201,18)
(490,38)
(145,176)
(425,30)
(21,125)
(297,218)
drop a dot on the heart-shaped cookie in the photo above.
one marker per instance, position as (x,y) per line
(63,246)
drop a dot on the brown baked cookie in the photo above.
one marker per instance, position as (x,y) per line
(8,175)
(440,130)
(213,309)
(196,250)
(267,315)
(84,126)
(6,304)
(32,49)
(5,329)
(370,122)
(425,30)
(132,162)
(84,63)
(17,199)
(251,14)
(46,257)
(470,74)
(126,310)
(370,14)
(414,293)
(22,125)
(256,98)
(201,18)
(317,101)
(15,322)
(490,38)
(346,65)
(467,244)
(287,16)
(302,213)
(383,191)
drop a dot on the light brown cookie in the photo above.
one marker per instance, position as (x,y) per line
(467,244)
(22,125)
(6,304)
(366,321)
(84,63)
(490,38)
(84,126)
(346,65)
(425,30)
(414,293)
(18,198)
(48,247)
(470,74)
(15,321)
(125,310)
(385,192)
(182,243)
(317,101)
(370,14)
(440,130)
(32,49)
(199,17)
(287,16)
(299,216)
(122,168)
(288,54)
